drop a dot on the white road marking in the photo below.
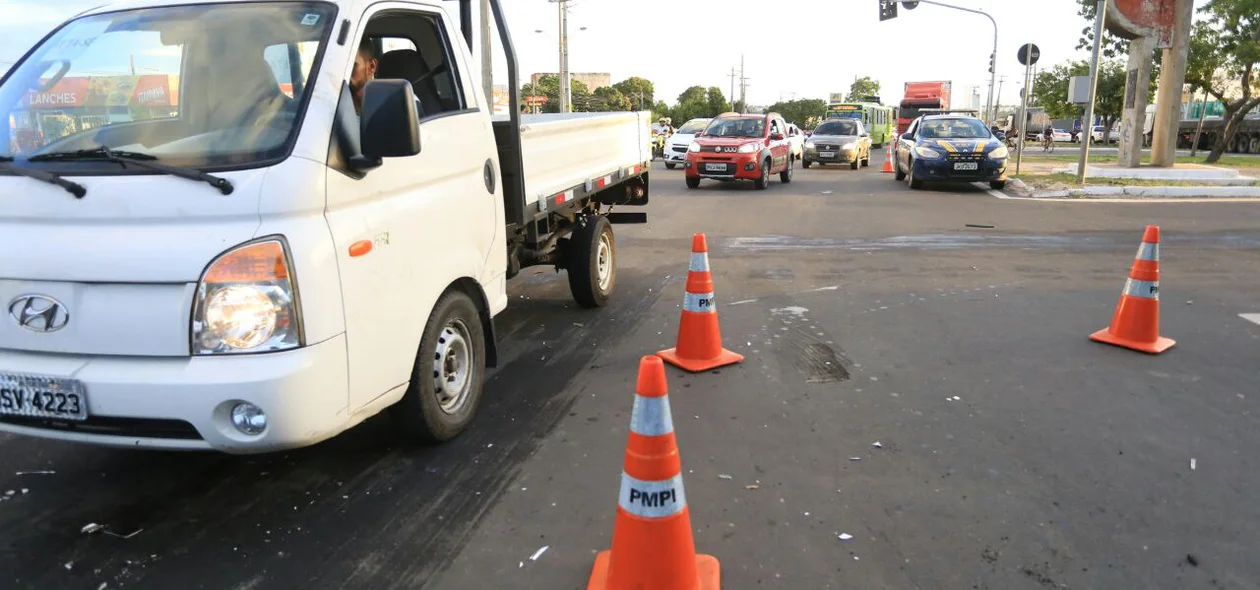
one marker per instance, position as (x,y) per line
(1251,317)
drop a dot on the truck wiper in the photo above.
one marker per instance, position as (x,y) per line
(71,187)
(139,160)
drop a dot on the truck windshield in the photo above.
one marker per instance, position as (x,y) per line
(200,85)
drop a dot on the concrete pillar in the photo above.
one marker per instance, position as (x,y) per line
(1172,78)
(1133,117)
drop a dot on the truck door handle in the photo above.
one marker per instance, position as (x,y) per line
(488,175)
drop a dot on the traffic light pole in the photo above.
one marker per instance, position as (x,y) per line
(991,109)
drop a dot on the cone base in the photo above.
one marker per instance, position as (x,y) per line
(887,169)
(1159,345)
(723,358)
(706,565)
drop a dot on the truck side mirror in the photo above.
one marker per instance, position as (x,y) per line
(389,125)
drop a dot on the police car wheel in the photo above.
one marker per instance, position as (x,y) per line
(898,175)
(915,183)
(669,165)
(807,164)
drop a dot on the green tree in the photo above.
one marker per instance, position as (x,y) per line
(862,87)
(1051,86)
(693,94)
(1224,57)
(1050,90)
(717,102)
(639,90)
(549,86)
(609,98)
(804,112)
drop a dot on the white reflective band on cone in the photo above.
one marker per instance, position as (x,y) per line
(651,416)
(1144,289)
(699,261)
(1148,252)
(652,499)
(699,303)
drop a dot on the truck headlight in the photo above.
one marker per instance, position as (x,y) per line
(246,303)
(694,147)
(748,148)
(927,153)
(1000,153)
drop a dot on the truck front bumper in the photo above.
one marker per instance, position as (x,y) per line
(186,403)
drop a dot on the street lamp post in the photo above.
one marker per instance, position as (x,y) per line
(565,87)
(991,108)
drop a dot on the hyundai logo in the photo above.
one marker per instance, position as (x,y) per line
(39,313)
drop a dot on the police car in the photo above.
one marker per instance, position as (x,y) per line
(950,147)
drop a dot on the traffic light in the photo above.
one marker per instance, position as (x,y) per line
(887,10)
(992,62)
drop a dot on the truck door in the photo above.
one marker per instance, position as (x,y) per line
(429,219)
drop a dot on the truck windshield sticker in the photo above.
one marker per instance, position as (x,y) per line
(310,19)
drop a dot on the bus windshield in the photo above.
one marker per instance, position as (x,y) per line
(196,85)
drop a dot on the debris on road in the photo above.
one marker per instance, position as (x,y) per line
(69,565)
(724,476)
(40,472)
(877,445)
(91,527)
(855,458)
(1192,462)
(981,226)
(845,537)
(1192,560)
(9,493)
(539,553)
(752,487)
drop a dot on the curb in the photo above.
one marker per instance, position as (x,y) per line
(1149,192)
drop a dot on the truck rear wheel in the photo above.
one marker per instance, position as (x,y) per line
(446,380)
(591,259)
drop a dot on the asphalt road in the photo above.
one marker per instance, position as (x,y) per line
(946,324)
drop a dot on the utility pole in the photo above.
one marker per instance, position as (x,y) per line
(487,57)
(1099,18)
(1001,81)
(733,76)
(743,85)
(565,85)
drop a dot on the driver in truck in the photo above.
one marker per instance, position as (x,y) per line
(365,64)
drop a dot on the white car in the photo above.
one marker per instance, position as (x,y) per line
(1059,135)
(1112,137)
(796,138)
(677,144)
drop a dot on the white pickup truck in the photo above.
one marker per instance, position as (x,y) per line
(217,233)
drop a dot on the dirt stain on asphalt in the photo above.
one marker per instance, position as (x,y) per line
(808,348)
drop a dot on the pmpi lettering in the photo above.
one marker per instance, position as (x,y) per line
(653,499)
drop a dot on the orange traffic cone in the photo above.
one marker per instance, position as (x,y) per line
(652,546)
(699,337)
(1135,323)
(888,160)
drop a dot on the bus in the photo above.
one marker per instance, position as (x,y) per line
(879,119)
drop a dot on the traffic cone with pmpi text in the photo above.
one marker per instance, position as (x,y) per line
(699,337)
(1135,324)
(652,546)
(888,160)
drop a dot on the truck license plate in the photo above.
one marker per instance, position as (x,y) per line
(37,396)
(966,166)
(715,167)
(826,154)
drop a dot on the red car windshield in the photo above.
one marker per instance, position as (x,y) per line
(736,128)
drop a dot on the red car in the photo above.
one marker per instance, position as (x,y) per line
(741,147)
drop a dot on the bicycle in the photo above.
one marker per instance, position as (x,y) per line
(1047,144)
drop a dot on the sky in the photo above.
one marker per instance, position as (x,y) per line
(791,48)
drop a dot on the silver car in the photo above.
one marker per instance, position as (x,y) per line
(839,141)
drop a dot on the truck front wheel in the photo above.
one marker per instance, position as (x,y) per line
(591,259)
(446,380)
